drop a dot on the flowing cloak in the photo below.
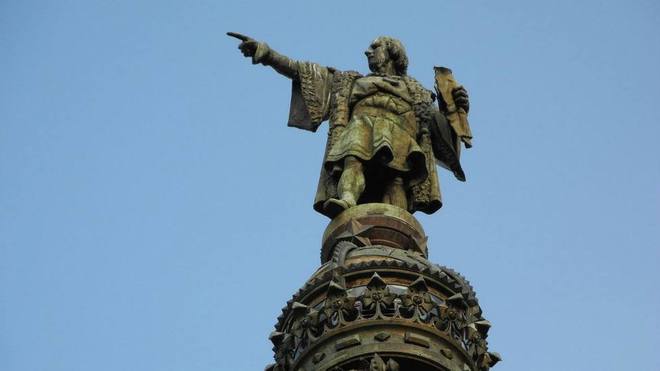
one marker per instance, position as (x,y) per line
(322,93)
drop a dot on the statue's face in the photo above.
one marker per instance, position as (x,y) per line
(377,56)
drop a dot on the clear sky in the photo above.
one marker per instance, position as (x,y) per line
(155,210)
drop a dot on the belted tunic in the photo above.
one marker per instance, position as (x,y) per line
(374,118)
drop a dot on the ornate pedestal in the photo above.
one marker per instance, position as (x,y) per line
(377,303)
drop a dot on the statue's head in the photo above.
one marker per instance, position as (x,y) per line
(387,53)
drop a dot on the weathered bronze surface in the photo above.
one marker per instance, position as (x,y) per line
(376,302)
(374,224)
(385,134)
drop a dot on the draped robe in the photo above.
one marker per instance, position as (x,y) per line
(382,121)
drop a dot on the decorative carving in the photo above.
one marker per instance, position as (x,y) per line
(348,342)
(353,233)
(422,341)
(338,307)
(382,336)
(377,301)
(283,351)
(304,328)
(377,364)
(452,317)
(374,224)
(447,353)
(417,301)
(488,360)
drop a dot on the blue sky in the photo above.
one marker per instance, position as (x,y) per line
(155,210)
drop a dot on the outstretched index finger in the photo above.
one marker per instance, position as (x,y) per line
(238,36)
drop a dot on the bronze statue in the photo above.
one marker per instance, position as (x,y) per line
(377,303)
(385,135)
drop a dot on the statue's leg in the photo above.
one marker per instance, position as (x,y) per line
(352,182)
(395,193)
(350,187)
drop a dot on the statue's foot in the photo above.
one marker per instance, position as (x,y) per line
(334,207)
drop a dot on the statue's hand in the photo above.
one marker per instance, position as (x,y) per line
(250,47)
(461,100)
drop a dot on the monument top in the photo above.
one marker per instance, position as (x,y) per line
(385,134)
(377,303)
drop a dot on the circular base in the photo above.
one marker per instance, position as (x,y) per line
(374,224)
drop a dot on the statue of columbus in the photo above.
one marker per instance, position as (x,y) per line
(385,136)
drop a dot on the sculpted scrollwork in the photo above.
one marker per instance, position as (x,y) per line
(452,317)
(377,301)
(417,302)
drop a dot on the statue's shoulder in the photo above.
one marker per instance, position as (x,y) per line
(418,91)
(343,81)
(341,89)
(346,75)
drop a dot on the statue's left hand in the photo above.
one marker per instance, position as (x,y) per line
(461,100)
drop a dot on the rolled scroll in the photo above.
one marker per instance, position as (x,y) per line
(444,85)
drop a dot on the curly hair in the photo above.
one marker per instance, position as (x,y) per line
(398,54)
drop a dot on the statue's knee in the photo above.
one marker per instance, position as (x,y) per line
(352,162)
